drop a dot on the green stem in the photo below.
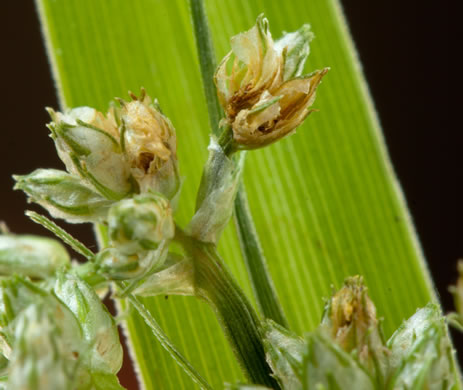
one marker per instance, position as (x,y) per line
(165,342)
(214,283)
(255,261)
(226,140)
(206,61)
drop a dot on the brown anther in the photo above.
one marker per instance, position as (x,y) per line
(145,159)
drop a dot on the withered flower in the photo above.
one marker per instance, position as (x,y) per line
(151,145)
(261,87)
(350,320)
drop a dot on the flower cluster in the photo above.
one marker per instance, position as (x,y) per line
(130,150)
(261,87)
(347,351)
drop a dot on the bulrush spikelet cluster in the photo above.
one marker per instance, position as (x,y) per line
(261,87)
(130,150)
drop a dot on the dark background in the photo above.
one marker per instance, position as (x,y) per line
(404,50)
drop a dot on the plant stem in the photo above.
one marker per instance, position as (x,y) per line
(165,342)
(255,261)
(214,284)
(207,62)
(101,233)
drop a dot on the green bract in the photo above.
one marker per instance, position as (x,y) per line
(63,195)
(285,352)
(175,277)
(28,311)
(32,256)
(347,350)
(88,144)
(327,366)
(456,319)
(98,327)
(216,194)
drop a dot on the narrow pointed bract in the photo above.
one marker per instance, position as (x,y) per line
(63,195)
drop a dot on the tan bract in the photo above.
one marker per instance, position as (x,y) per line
(150,143)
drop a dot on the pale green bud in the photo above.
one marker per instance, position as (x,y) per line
(216,195)
(115,265)
(98,326)
(89,145)
(151,146)
(34,256)
(141,223)
(421,353)
(263,93)
(63,195)
(350,321)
